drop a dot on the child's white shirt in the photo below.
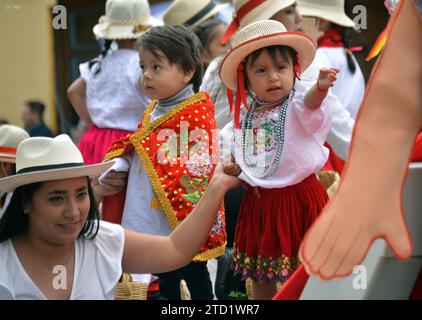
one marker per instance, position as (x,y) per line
(303,152)
(341,131)
(114,97)
(349,87)
(137,213)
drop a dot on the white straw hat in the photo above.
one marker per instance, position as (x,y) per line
(249,11)
(191,13)
(331,10)
(263,34)
(10,137)
(44,159)
(125,19)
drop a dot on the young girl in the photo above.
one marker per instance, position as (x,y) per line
(107,95)
(278,145)
(166,179)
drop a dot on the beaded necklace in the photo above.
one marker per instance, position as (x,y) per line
(247,129)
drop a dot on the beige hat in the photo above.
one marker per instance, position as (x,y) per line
(255,36)
(10,137)
(331,10)
(259,35)
(249,11)
(45,159)
(125,19)
(191,13)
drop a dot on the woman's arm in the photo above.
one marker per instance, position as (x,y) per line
(77,97)
(154,254)
(314,97)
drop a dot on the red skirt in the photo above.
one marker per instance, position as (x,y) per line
(95,143)
(271,226)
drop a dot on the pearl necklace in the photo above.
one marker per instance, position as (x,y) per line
(247,128)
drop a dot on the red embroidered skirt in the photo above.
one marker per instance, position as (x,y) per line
(95,143)
(271,226)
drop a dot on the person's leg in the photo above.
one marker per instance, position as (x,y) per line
(198,281)
(170,284)
(263,291)
(224,280)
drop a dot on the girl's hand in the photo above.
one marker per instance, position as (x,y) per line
(112,183)
(227,179)
(326,78)
(231,168)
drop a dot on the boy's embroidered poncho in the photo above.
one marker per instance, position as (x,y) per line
(179,180)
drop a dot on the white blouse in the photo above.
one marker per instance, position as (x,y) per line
(114,97)
(303,152)
(349,87)
(96,273)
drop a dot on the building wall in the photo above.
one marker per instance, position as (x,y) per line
(26,59)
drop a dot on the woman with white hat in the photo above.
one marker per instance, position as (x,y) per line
(200,16)
(107,95)
(277,141)
(10,137)
(335,45)
(54,247)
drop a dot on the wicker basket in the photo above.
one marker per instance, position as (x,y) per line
(127,289)
(330,180)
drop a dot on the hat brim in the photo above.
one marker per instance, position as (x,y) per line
(213,12)
(9,184)
(121,32)
(265,11)
(303,44)
(336,17)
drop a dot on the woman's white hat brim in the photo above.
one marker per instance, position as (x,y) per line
(335,16)
(265,11)
(9,184)
(213,12)
(120,32)
(303,45)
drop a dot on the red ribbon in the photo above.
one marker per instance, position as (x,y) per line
(240,96)
(239,15)
(8,150)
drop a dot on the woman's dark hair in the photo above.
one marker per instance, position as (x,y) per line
(97,60)
(204,31)
(180,45)
(15,221)
(347,45)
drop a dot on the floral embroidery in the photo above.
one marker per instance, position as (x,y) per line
(268,269)
(218,224)
(199,165)
(194,187)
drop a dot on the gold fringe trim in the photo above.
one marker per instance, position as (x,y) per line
(148,127)
(113,154)
(156,184)
(210,254)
